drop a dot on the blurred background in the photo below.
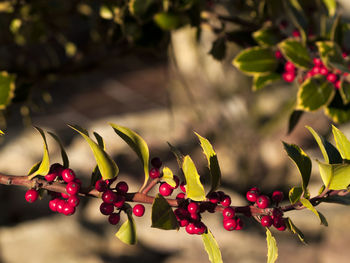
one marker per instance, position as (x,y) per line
(72,68)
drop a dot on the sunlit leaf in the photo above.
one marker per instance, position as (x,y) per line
(272,250)
(309,206)
(168,21)
(194,187)
(7,88)
(127,232)
(335,176)
(168,176)
(63,152)
(163,216)
(212,247)
(295,230)
(331,6)
(295,52)
(343,144)
(295,194)
(331,55)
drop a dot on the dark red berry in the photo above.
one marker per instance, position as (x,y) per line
(165,189)
(68,175)
(263,201)
(53,205)
(181,213)
(122,187)
(156,162)
(73,200)
(154,173)
(199,228)
(106,209)
(193,208)
(239,224)
(138,210)
(78,181)
(183,187)
(180,196)
(281,228)
(296,33)
(31,195)
(190,228)
(228,212)
(195,217)
(277,213)
(252,195)
(183,222)
(278,54)
(214,197)
(57,169)
(101,185)
(226,201)
(109,197)
(277,196)
(72,188)
(278,222)
(266,221)
(68,209)
(120,200)
(114,218)
(229,224)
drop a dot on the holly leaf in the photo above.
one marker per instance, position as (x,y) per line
(179,156)
(309,206)
(108,168)
(168,176)
(261,81)
(331,55)
(139,146)
(292,228)
(44,166)
(343,144)
(168,21)
(345,91)
(331,6)
(194,187)
(295,194)
(63,152)
(7,89)
(163,216)
(266,36)
(343,200)
(212,247)
(335,176)
(213,164)
(272,250)
(295,52)
(294,119)
(127,232)
(218,49)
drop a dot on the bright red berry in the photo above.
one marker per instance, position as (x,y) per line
(252,195)
(183,187)
(73,200)
(277,196)
(332,77)
(195,217)
(31,195)
(337,84)
(180,196)
(109,197)
(50,177)
(296,33)
(229,224)
(106,208)
(193,208)
(60,205)
(226,201)
(72,188)
(68,175)
(53,205)
(214,197)
(288,76)
(266,221)
(122,187)
(101,185)
(289,67)
(315,70)
(190,228)
(324,71)
(138,210)
(154,173)
(156,162)
(68,209)
(120,200)
(183,222)
(64,195)
(317,62)
(165,189)
(114,218)
(228,212)
(263,201)
(278,54)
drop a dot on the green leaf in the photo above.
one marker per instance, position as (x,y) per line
(34,168)
(99,140)
(44,166)
(331,6)
(139,7)
(194,187)
(335,176)
(323,219)
(343,144)
(302,161)
(256,60)
(95,176)
(168,21)
(163,216)
(338,115)
(63,152)
(106,165)
(212,247)
(329,152)
(138,145)
(218,49)
(168,176)
(213,164)
(272,250)
(292,228)
(295,52)
(179,156)
(345,91)
(266,36)
(309,206)
(297,15)
(127,232)
(294,119)
(7,89)
(295,194)
(314,93)
(343,200)
(331,55)
(261,81)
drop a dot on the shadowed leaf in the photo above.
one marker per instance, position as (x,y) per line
(163,216)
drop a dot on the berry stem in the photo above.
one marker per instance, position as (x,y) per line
(150,186)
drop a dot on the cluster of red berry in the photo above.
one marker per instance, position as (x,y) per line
(115,199)
(274,218)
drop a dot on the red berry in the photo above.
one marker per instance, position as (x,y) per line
(190,228)
(277,213)
(60,205)
(317,62)
(344,54)
(73,200)
(183,222)
(324,71)
(195,217)
(289,67)
(106,208)
(288,76)
(183,187)
(138,210)
(180,196)
(56,168)
(68,209)
(199,228)
(68,175)
(122,187)
(281,228)
(64,195)
(278,54)
(337,84)
(120,200)
(114,218)
(193,208)
(181,213)
(214,197)
(165,189)
(239,224)
(252,195)
(332,77)
(278,222)
(154,173)
(266,221)
(109,197)
(156,162)
(31,195)
(228,212)
(229,224)
(263,201)
(315,70)
(296,33)
(101,185)
(78,181)
(72,188)
(50,177)
(53,204)
(277,196)
(226,201)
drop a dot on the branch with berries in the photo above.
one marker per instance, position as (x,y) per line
(192,201)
